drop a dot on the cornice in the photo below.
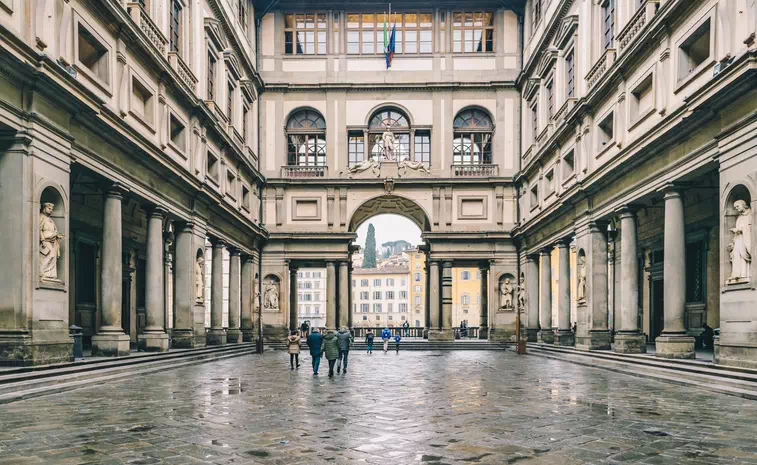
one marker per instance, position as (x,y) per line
(546,38)
(381,86)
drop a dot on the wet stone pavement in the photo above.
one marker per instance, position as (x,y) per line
(412,408)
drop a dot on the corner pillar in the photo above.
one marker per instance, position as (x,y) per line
(154,337)
(217,334)
(629,339)
(344,294)
(246,295)
(234,334)
(532,297)
(564,336)
(546,334)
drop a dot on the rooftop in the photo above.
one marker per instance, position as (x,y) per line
(384,270)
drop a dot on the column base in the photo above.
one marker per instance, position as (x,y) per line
(596,340)
(441,335)
(22,350)
(674,346)
(234,336)
(275,333)
(248,335)
(216,337)
(483,333)
(182,339)
(110,345)
(532,334)
(565,338)
(630,343)
(545,336)
(153,342)
(502,334)
(735,355)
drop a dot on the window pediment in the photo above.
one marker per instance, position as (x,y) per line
(214,33)
(232,64)
(532,85)
(547,61)
(565,33)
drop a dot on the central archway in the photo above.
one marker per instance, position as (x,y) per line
(391,204)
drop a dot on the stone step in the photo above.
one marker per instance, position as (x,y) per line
(414,345)
(704,378)
(64,380)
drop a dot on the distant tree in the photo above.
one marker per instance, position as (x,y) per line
(369,256)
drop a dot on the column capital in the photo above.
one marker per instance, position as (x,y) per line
(234,252)
(157,211)
(217,243)
(183,225)
(116,191)
(627,211)
(546,251)
(447,263)
(671,190)
(248,258)
(598,226)
(563,243)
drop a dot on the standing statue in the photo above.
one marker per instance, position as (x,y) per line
(740,248)
(271,297)
(581,291)
(522,295)
(506,294)
(388,139)
(49,244)
(255,294)
(200,279)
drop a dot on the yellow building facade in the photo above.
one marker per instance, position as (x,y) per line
(417,288)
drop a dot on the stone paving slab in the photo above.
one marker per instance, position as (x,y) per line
(408,408)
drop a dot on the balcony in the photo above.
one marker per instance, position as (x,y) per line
(642,17)
(150,29)
(475,171)
(307,172)
(600,67)
(185,74)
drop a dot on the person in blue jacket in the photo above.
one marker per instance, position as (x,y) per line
(385,336)
(315,344)
(397,339)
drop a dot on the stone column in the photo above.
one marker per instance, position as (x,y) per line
(445,333)
(234,335)
(435,301)
(293,297)
(331,321)
(344,294)
(546,334)
(532,296)
(674,342)
(564,336)
(154,337)
(629,339)
(595,303)
(483,327)
(184,288)
(246,295)
(217,334)
(110,340)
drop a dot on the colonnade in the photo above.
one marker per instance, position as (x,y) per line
(592,332)
(338,289)
(112,340)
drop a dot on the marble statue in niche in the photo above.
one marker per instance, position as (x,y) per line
(740,248)
(49,244)
(506,294)
(271,296)
(200,279)
(522,294)
(581,285)
(255,294)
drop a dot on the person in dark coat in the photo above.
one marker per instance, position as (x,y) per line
(344,338)
(369,341)
(707,337)
(331,350)
(315,344)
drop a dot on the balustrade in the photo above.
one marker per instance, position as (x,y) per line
(475,171)
(304,171)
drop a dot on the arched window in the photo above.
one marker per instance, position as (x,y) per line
(306,137)
(473,138)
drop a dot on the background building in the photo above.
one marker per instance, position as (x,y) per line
(380,297)
(466,296)
(311,297)
(418,301)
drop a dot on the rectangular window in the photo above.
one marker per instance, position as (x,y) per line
(606,130)
(305,34)
(175,26)
(363,296)
(366,35)
(377,308)
(534,121)
(142,101)
(695,50)
(376,295)
(536,15)
(355,149)
(389,282)
(243,14)
(568,164)
(534,196)
(465,299)
(417,300)
(230,101)
(465,275)
(86,269)
(472,32)
(442,32)
(608,22)
(550,99)
(93,55)
(403,308)
(695,283)
(403,295)
(417,288)
(570,68)
(377,282)
(306,150)
(245,120)
(364,308)
(363,283)
(335,49)
(422,148)
(211,75)
(417,277)
(389,295)
(390,308)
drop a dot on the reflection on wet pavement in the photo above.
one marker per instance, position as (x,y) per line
(456,408)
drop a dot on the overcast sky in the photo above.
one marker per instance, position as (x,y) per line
(390,228)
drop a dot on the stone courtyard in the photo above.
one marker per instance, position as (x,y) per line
(411,407)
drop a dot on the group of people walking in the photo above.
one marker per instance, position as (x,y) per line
(334,346)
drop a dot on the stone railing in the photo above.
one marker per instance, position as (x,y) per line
(150,29)
(217,111)
(636,24)
(181,68)
(564,109)
(475,171)
(304,171)
(600,67)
